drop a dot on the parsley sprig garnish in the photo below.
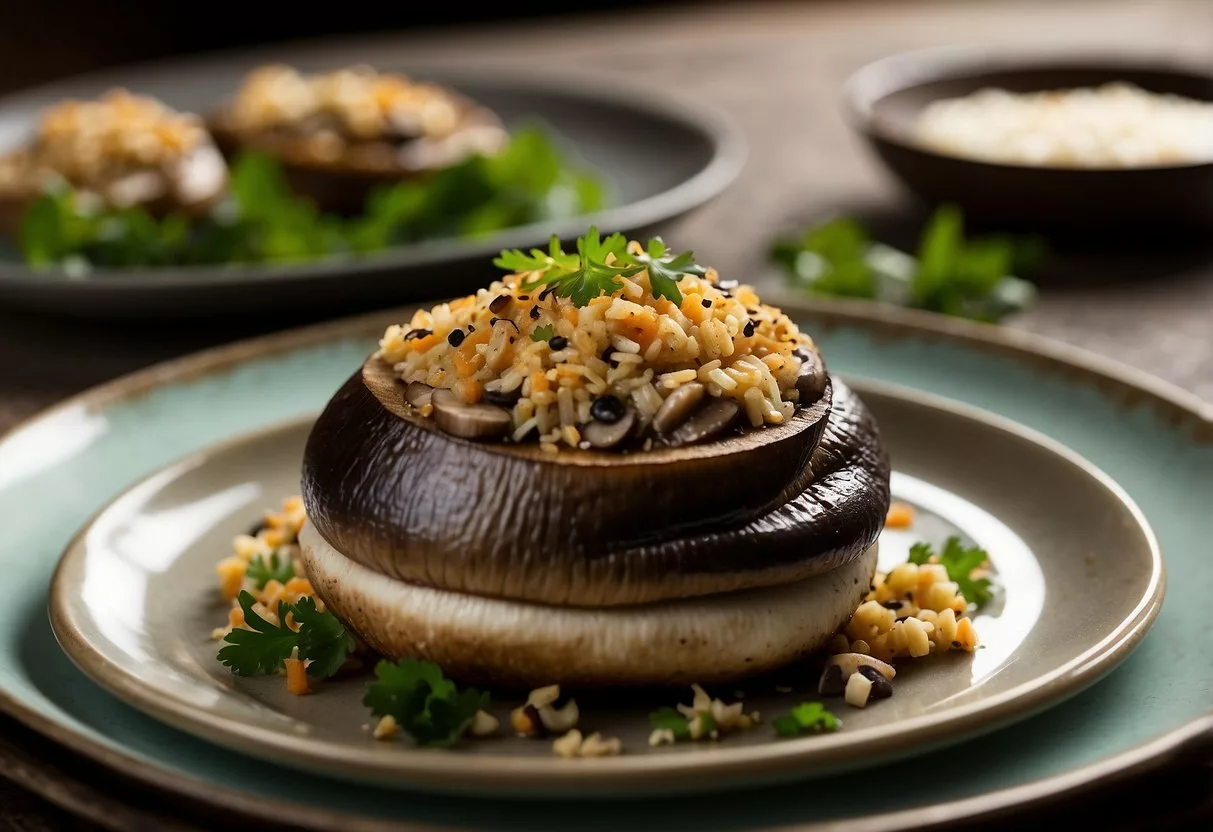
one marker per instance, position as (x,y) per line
(279,567)
(960,561)
(598,265)
(673,720)
(425,704)
(806,718)
(262,649)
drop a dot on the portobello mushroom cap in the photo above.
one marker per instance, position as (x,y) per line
(718,638)
(388,490)
(341,182)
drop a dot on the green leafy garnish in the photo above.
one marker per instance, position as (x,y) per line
(830,259)
(322,639)
(425,704)
(968,278)
(261,650)
(587,274)
(543,333)
(671,719)
(806,718)
(664,268)
(279,568)
(530,181)
(960,561)
(582,276)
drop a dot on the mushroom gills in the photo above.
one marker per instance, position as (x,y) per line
(468,421)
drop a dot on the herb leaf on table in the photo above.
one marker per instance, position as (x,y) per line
(970,278)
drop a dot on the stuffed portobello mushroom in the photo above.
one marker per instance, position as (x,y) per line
(119,151)
(339,134)
(610,467)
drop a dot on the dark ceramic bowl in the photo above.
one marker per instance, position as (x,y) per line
(884,99)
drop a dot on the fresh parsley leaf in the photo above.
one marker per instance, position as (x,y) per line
(554,259)
(960,561)
(279,568)
(262,649)
(920,553)
(830,260)
(972,278)
(806,718)
(543,333)
(580,277)
(664,268)
(425,704)
(670,718)
(321,639)
(42,235)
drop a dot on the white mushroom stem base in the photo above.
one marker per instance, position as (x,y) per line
(715,638)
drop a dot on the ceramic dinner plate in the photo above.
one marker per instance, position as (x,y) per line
(134,602)
(673,156)
(60,468)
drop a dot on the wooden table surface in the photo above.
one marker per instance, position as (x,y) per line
(777,70)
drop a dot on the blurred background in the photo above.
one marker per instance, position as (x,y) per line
(80,35)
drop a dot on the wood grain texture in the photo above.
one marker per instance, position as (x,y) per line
(777,69)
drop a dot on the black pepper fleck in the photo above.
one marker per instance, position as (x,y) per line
(534,313)
(417,333)
(499,304)
(471,328)
(749,329)
(606,356)
(707,304)
(524,297)
(456,337)
(894,604)
(558,342)
(544,294)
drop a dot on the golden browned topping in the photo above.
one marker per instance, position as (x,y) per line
(358,102)
(77,138)
(126,148)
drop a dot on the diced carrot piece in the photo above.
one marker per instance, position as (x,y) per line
(539,382)
(466,365)
(299,585)
(468,390)
(235,617)
(900,516)
(692,307)
(296,677)
(572,315)
(231,576)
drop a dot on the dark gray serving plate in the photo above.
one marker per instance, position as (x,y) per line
(883,100)
(661,157)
